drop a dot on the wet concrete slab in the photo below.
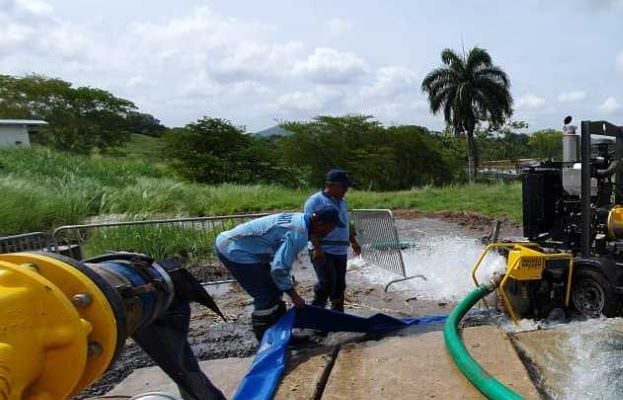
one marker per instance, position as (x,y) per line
(303,375)
(579,359)
(300,380)
(400,367)
(224,373)
(542,350)
(418,367)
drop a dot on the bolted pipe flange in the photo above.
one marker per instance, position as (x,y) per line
(31,266)
(94,349)
(82,300)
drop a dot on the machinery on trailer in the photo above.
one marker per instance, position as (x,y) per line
(571,258)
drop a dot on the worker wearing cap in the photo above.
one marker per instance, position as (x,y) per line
(329,253)
(260,253)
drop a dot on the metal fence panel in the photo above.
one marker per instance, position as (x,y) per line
(34,241)
(190,238)
(378,237)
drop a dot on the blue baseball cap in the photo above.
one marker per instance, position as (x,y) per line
(329,214)
(338,175)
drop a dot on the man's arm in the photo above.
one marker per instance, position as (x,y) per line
(353,239)
(310,205)
(281,267)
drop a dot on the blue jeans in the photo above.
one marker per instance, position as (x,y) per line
(256,280)
(331,274)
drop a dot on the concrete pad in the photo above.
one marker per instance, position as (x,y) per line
(226,374)
(553,363)
(418,367)
(405,367)
(300,380)
(303,374)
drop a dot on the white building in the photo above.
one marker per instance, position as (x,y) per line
(14,132)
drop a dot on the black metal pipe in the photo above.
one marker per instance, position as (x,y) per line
(618,188)
(586,189)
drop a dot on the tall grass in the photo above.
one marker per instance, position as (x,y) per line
(42,189)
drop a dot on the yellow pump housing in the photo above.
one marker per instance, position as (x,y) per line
(525,262)
(58,331)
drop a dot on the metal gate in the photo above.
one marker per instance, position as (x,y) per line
(34,241)
(192,239)
(380,244)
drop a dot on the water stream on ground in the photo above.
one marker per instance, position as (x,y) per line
(576,360)
(444,253)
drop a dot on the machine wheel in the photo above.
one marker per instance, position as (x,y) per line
(592,295)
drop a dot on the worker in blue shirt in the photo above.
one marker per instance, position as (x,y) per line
(260,253)
(329,253)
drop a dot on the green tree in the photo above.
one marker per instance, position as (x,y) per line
(505,142)
(377,157)
(546,144)
(144,124)
(327,142)
(469,89)
(213,150)
(80,119)
(209,150)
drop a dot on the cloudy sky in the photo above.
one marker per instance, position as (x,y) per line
(255,62)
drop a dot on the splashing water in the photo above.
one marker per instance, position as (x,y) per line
(446,261)
(578,360)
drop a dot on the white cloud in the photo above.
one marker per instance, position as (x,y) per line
(337,26)
(572,97)
(315,100)
(330,66)
(229,49)
(29,27)
(36,7)
(392,81)
(530,102)
(609,106)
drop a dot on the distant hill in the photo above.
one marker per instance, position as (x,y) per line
(273,131)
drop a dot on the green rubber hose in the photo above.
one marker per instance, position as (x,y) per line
(487,384)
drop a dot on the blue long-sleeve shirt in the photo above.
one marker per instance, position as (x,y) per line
(276,239)
(335,242)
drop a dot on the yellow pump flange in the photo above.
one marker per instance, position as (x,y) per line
(58,332)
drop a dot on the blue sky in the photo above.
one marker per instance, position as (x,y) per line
(257,62)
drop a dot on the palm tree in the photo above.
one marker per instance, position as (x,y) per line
(469,89)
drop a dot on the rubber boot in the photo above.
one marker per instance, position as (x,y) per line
(261,320)
(337,304)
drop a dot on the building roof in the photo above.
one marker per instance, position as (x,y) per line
(29,122)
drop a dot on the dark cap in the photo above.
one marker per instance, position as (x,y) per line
(329,214)
(338,176)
